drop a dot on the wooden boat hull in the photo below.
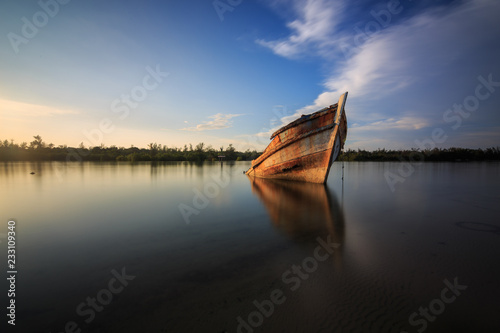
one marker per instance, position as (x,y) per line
(305,149)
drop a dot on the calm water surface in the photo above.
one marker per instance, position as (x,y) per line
(186,248)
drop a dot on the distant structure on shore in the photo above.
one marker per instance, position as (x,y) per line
(221,157)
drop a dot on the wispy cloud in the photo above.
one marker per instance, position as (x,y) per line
(313,27)
(405,53)
(400,123)
(12,109)
(219,121)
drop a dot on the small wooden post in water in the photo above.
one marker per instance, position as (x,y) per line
(221,157)
(342,180)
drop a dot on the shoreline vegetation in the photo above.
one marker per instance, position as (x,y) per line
(38,150)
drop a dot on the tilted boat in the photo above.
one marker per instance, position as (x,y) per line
(305,149)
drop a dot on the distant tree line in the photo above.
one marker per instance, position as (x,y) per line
(416,155)
(38,150)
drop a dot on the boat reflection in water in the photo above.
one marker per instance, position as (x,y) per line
(303,211)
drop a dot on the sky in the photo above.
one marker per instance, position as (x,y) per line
(419,73)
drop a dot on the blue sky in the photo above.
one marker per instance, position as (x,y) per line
(175,72)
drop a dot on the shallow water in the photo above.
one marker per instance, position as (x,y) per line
(206,249)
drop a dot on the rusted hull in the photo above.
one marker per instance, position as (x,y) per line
(305,149)
(291,163)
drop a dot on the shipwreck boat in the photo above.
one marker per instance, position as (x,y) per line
(305,149)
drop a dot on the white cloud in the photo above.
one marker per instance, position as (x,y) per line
(219,121)
(315,25)
(401,123)
(415,50)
